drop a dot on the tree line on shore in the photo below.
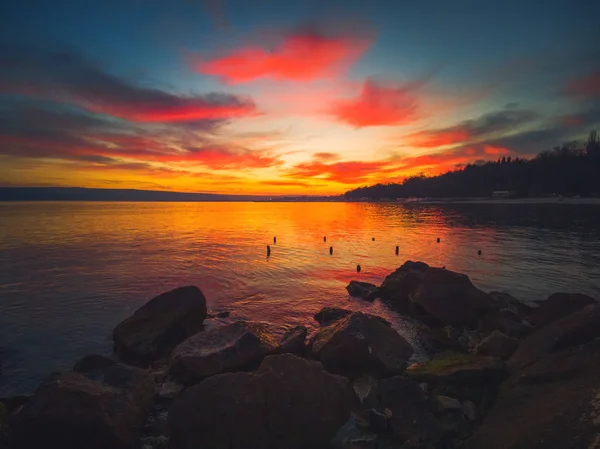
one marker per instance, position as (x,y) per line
(570,169)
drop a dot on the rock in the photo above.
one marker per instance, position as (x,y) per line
(293,341)
(520,308)
(224,314)
(170,390)
(362,290)
(289,402)
(450,298)
(397,286)
(155,442)
(498,345)
(5,432)
(353,436)
(328,315)
(360,344)
(412,419)
(445,403)
(365,388)
(234,347)
(159,325)
(460,370)
(552,403)
(505,321)
(439,340)
(92,362)
(101,408)
(469,410)
(558,306)
(576,329)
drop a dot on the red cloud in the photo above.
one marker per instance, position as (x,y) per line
(352,172)
(302,57)
(586,86)
(325,157)
(438,138)
(379,104)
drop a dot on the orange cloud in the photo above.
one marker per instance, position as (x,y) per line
(495,151)
(301,57)
(438,138)
(379,104)
(352,172)
(585,86)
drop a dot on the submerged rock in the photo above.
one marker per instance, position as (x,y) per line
(360,344)
(498,345)
(450,298)
(328,315)
(289,402)
(362,290)
(293,341)
(100,408)
(159,325)
(234,347)
(558,306)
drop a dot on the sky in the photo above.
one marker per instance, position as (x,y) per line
(285,97)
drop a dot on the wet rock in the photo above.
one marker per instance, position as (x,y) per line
(551,403)
(469,410)
(103,407)
(520,308)
(460,370)
(575,329)
(328,315)
(5,432)
(505,321)
(289,402)
(362,290)
(397,286)
(558,306)
(360,344)
(159,325)
(450,298)
(92,362)
(439,340)
(156,442)
(445,403)
(365,388)
(412,419)
(293,341)
(170,390)
(498,345)
(234,347)
(352,435)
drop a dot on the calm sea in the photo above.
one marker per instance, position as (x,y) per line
(69,272)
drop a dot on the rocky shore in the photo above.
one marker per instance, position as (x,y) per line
(502,375)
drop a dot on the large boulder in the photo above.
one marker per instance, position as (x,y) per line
(234,347)
(558,306)
(159,325)
(498,345)
(397,286)
(288,403)
(576,329)
(505,321)
(293,341)
(450,298)
(328,315)
(358,344)
(552,403)
(103,407)
(362,290)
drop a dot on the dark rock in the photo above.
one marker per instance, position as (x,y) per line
(520,308)
(505,321)
(365,388)
(439,340)
(170,390)
(360,344)
(552,403)
(354,436)
(328,315)
(293,341)
(445,403)
(412,419)
(14,402)
(92,362)
(234,347)
(362,290)
(159,325)
(498,345)
(558,306)
(289,403)
(576,329)
(105,407)
(460,370)
(5,432)
(397,286)
(450,298)
(224,314)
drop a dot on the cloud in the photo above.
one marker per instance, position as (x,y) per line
(379,104)
(68,78)
(325,156)
(585,86)
(505,120)
(301,57)
(351,172)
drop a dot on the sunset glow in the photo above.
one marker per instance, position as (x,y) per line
(207,98)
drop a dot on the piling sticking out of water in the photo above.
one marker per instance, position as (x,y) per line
(324,238)
(268,250)
(438,240)
(397,249)
(373,238)
(358,268)
(331,250)
(479,253)
(274,239)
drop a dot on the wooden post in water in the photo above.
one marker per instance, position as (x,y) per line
(358,268)
(268,250)
(479,252)
(397,249)
(438,240)
(331,250)
(274,239)
(373,239)
(324,238)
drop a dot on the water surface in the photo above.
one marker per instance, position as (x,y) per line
(69,272)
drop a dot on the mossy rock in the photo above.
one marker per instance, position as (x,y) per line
(455,368)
